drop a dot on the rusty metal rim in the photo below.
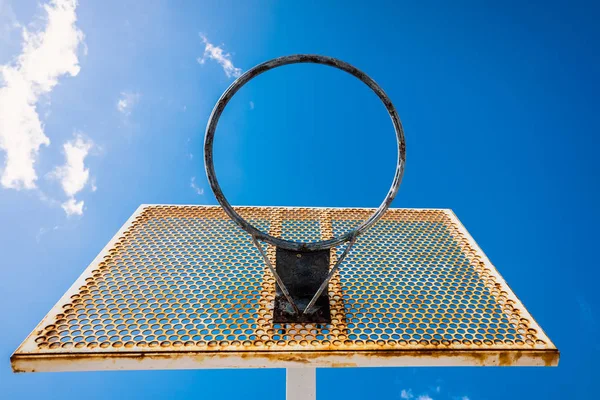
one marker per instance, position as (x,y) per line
(278,62)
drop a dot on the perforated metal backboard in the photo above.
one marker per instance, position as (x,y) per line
(183,287)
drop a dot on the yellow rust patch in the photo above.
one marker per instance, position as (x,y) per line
(550,358)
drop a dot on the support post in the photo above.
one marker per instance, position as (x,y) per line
(301,383)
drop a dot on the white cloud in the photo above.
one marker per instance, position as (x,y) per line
(73,175)
(46,55)
(73,207)
(424,397)
(406,394)
(217,54)
(464,398)
(127,101)
(252,105)
(199,191)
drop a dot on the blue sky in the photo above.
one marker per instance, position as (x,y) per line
(103,107)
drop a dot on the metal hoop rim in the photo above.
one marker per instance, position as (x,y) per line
(278,62)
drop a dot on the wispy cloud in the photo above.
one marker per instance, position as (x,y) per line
(42,231)
(8,21)
(585,311)
(216,53)
(199,191)
(252,105)
(190,155)
(46,55)
(73,175)
(127,101)
(587,316)
(407,394)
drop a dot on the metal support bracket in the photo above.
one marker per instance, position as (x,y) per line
(302,272)
(302,277)
(280,283)
(330,275)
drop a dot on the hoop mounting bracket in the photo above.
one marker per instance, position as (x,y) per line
(302,272)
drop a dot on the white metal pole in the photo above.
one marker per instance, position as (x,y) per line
(301,383)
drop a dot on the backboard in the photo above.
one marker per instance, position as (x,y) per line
(182,287)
